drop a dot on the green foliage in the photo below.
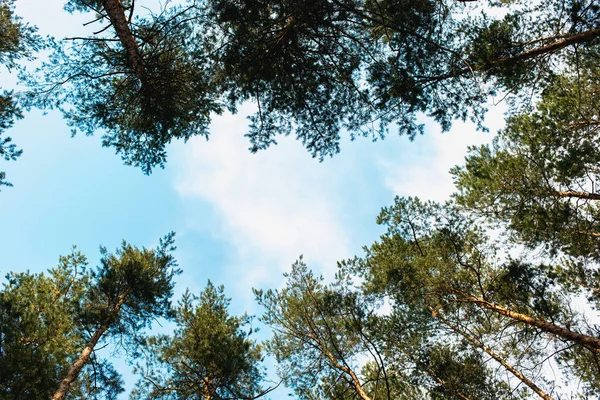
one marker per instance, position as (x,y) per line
(38,329)
(322,331)
(436,257)
(209,356)
(448,282)
(428,249)
(8,150)
(583,368)
(140,279)
(459,372)
(47,320)
(17,41)
(538,180)
(319,332)
(95,86)
(442,307)
(42,334)
(316,67)
(540,175)
(313,67)
(393,384)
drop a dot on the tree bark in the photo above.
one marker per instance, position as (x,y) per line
(84,357)
(582,37)
(75,369)
(496,357)
(355,381)
(591,342)
(116,15)
(593,234)
(578,195)
(549,48)
(325,350)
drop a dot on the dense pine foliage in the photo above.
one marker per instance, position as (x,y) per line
(486,296)
(312,67)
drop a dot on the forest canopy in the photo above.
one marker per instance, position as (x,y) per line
(492,294)
(313,69)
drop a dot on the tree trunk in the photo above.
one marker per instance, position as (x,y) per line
(591,342)
(582,37)
(549,48)
(117,18)
(355,381)
(75,369)
(496,357)
(578,195)
(84,357)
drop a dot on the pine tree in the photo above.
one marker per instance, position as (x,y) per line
(52,324)
(312,67)
(210,355)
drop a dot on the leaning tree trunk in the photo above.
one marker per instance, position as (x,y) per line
(84,357)
(116,15)
(559,43)
(590,342)
(496,357)
(356,385)
(355,381)
(75,369)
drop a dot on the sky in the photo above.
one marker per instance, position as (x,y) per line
(240,219)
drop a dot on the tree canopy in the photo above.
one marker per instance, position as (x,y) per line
(18,41)
(312,68)
(541,173)
(51,324)
(437,309)
(209,356)
(504,277)
(481,297)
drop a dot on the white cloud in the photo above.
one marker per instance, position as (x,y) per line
(271,206)
(424,172)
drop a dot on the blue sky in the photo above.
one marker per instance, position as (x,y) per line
(241,219)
